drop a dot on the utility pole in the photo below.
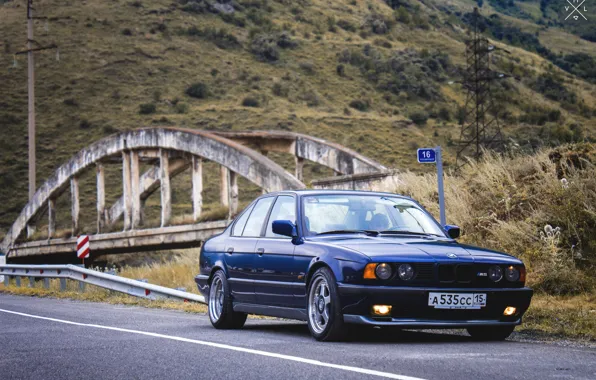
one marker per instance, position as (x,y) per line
(480,127)
(31,90)
(31,94)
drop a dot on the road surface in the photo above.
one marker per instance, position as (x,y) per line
(62,339)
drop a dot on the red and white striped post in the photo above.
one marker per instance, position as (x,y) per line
(83,247)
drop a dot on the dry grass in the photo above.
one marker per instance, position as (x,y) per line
(535,208)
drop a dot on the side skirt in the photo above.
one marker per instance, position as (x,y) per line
(271,311)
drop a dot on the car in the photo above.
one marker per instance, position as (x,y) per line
(336,259)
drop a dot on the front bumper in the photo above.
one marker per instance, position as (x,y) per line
(410,306)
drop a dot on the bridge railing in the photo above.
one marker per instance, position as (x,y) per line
(87,276)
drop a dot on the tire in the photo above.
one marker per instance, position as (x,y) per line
(490,333)
(221,312)
(325,319)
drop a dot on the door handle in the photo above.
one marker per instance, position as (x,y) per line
(230,250)
(260,251)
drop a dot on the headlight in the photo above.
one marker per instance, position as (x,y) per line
(383,271)
(512,274)
(495,273)
(405,272)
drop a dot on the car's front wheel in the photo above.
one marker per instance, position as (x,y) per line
(493,333)
(221,312)
(325,320)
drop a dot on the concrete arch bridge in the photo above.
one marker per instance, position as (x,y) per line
(167,152)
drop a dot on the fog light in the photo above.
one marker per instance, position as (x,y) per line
(383,310)
(509,310)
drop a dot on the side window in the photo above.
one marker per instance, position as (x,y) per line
(284,209)
(241,222)
(257,217)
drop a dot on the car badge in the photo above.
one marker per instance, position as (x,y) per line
(452,255)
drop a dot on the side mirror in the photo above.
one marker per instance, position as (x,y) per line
(452,231)
(284,228)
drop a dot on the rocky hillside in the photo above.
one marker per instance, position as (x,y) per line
(379,76)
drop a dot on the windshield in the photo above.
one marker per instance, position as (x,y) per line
(326,213)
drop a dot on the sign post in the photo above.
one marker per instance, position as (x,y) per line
(83,248)
(433,156)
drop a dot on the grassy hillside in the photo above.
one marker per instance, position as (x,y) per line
(378,76)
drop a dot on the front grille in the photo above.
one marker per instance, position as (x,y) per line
(425,272)
(446,273)
(460,273)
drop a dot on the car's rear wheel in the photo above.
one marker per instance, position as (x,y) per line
(221,312)
(493,333)
(325,320)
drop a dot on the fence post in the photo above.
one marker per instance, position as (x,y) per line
(3,262)
(62,284)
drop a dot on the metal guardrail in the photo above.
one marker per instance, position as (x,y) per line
(87,276)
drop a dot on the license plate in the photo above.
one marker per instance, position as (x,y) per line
(457,300)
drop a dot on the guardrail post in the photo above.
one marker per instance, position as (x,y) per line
(3,262)
(31,282)
(62,284)
(18,281)
(6,280)
(46,283)
(81,286)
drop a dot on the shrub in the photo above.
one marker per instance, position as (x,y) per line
(340,70)
(266,45)
(419,117)
(220,37)
(198,90)
(181,107)
(360,105)
(251,101)
(307,66)
(347,26)
(279,89)
(84,124)
(126,32)
(147,108)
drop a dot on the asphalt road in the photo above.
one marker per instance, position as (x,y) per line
(63,339)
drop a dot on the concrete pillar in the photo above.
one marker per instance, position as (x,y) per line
(233,194)
(135,190)
(30,230)
(101,197)
(51,218)
(224,186)
(127,190)
(197,187)
(264,153)
(166,194)
(299,168)
(74,196)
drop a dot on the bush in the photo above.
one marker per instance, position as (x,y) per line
(126,32)
(347,26)
(419,117)
(360,105)
(251,101)
(198,90)
(279,89)
(181,107)
(147,108)
(220,37)
(540,208)
(307,66)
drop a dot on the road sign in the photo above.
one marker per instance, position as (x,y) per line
(432,156)
(83,247)
(427,155)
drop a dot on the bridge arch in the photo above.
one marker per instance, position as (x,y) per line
(234,157)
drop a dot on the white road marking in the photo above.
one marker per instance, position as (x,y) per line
(298,359)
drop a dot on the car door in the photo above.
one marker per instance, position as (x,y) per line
(239,250)
(274,277)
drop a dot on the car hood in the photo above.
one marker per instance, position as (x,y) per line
(397,248)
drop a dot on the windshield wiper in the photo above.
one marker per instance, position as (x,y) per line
(367,232)
(408,233)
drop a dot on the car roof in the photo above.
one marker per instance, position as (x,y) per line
(307,192)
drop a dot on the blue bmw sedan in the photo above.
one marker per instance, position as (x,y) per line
(334,258)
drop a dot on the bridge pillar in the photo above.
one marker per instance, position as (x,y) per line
(51,217)
(299,168)
(166,194)
(135,189)
(74,195)
(101,197)
(197,187)
(233,194)
(127,190)
(30,230)
(264,153)
(224,187)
